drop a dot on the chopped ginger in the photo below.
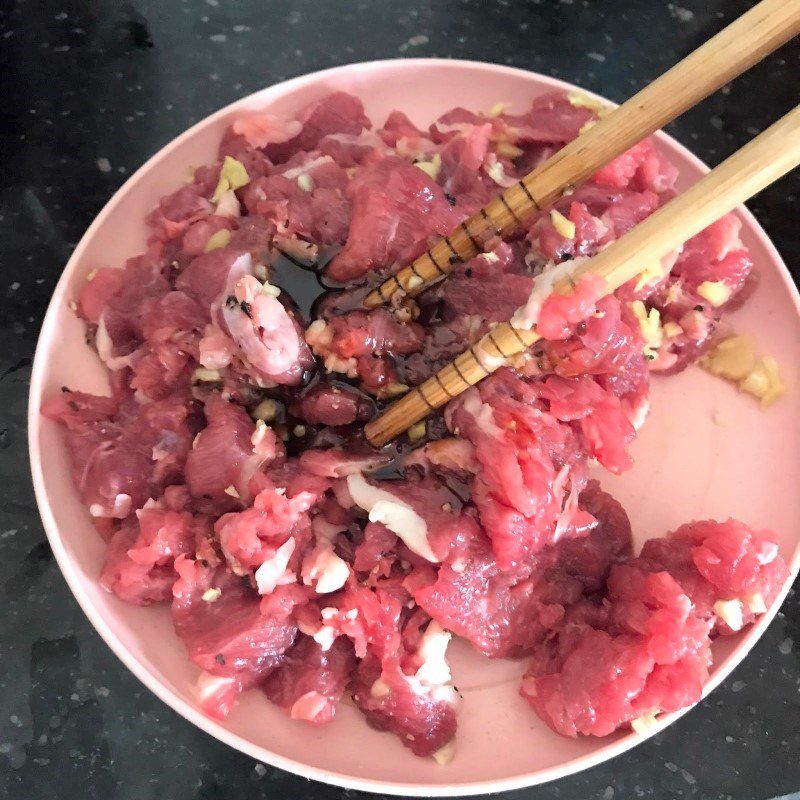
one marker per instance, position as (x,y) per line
(563,226)
(233,175)
(217,240)
(764,381)
(733,358)
(716,292)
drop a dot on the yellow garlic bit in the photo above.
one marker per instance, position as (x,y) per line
(563,226)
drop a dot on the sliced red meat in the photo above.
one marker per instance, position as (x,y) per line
(228,636)
(332,404)
(396,207)
(226,454)
(722,562)
(139,560)
(310,681)
(645,653)
(338,112)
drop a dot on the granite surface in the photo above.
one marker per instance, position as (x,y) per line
(88,90)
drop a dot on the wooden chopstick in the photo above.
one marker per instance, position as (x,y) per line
(765,159)
(743,43)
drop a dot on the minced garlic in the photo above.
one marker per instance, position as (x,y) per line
(497,109)
(305,182)
(563,226)
(756,604)
(268,288)
(220,239)
(645,723)
(233,175)
(671,329)
(211,595)
(764,381)
(583,100)
(431,167)
(650,327)
(267,410)
(205,375)
(716,292)
(508,150)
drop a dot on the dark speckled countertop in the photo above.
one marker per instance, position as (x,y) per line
(88,90)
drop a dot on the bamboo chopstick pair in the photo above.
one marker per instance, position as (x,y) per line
(761,162)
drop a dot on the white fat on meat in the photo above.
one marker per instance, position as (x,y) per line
(397,516)
(273,571)
(731,612)
(309,706)
(295,172)
(482,413)
(208,686)
(526,317)
(120,509)
(105,349)
(433,675)
(323,569)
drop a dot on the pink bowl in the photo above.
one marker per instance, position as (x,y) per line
(699,462)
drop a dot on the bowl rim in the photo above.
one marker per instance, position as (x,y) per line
(187,710)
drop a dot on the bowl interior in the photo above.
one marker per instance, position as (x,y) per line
(696,457)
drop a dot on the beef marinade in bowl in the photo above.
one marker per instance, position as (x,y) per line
(228,474)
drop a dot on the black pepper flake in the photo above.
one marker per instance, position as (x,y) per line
(65,389)
(247,308)
(454,259)
(468,272)
(650,357)
(220,659)
(203,562)
(698,308)
(73,405)
(450,199)
(567,257)
(231,301)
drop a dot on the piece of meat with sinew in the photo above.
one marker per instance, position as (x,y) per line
(121,457)
(521,450)
(506,613)
(643,653)
(269,338)
(732,573)
(396,207)
(138,565)
(337,112)
(226,631)
(332,404)
(402,684)
(273,531)
(310,682)
(226,454)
